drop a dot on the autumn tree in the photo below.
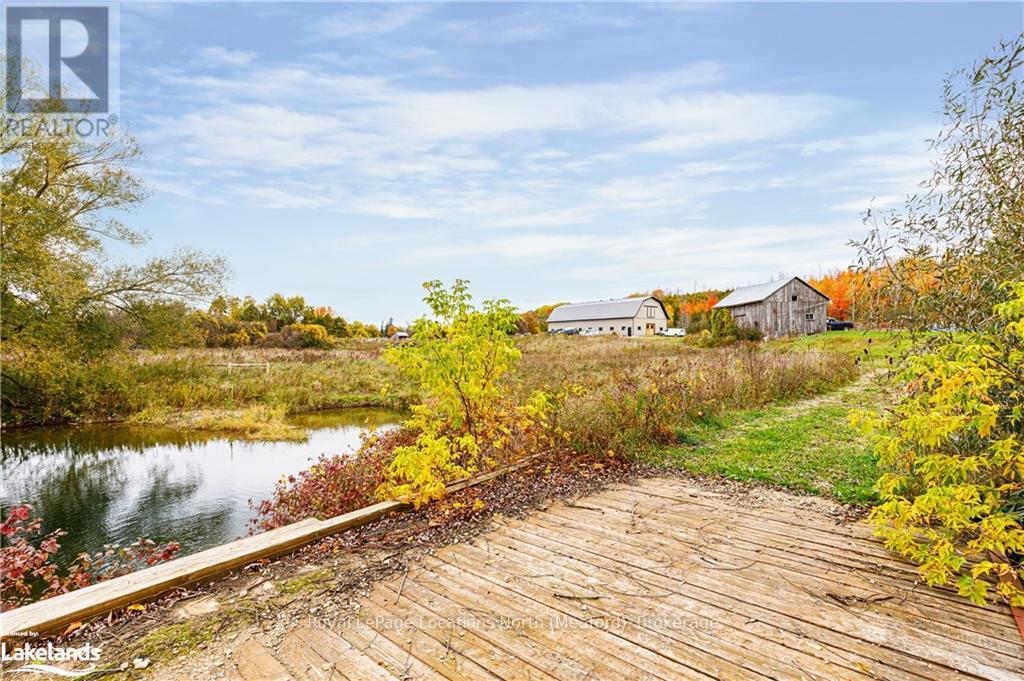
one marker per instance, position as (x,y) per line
(60,197)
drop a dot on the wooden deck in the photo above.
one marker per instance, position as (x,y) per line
(657,580)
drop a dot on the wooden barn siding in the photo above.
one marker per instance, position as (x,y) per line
(780,315)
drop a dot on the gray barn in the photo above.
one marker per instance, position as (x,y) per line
(787,307)
(624,317)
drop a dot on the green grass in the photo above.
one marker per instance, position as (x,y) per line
(873,348)
(806,446)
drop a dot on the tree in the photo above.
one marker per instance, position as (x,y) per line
(60,195)
(460,354)
(952,492)
(944,255)
(952,489)
(281,311)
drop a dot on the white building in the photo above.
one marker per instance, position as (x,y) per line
(624,317)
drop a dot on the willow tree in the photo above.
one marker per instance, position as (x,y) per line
(60,294)
(951,494)
(943,257)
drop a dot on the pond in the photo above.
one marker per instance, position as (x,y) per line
(113,484)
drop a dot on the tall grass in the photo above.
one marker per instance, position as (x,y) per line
(167,383)
(630,409)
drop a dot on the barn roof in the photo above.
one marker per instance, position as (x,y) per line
(755,294)
(600,309)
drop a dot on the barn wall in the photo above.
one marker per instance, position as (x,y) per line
(780,315)
(605,325)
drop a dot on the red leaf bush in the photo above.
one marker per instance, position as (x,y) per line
(29,572)
(333,485)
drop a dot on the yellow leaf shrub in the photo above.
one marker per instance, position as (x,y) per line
(952,452)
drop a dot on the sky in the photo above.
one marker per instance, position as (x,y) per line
(545,152)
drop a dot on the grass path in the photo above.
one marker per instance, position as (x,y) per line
(806,446)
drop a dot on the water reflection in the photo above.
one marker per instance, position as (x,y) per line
(112,484)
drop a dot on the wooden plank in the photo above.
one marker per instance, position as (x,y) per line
(972,625)
(788,541)
(626,600)
(531,653)
(398,659)
(528,620)
(794,603)
(253,662)
(628,619)
(421,645)
(898,600)
(731,611)
(655,500)
(305,663)
(344,657)
(635,652)
(466,641)
(714,591)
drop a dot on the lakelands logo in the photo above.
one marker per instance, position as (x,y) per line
(35,659)
(62,63)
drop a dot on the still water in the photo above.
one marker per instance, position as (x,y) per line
(113,484)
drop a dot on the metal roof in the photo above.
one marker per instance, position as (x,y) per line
(755,294)
(600,309)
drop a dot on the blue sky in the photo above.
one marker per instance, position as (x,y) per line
(545,152)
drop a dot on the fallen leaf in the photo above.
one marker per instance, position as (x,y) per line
(72,627)
(136,607)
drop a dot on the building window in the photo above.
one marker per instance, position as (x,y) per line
(809,316)
(639,328)
(600,328)
(793,298)
(650,312)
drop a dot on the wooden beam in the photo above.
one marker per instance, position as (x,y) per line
(56,613)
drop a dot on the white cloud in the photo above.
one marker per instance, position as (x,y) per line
(365,20)
(873,202)
(221,56)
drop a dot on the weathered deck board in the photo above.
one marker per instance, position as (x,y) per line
(656,580)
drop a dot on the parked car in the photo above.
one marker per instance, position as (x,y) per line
(590,332)
(675,333)
(833,324)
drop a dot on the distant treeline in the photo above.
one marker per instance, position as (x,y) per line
(279,322)
(232,322)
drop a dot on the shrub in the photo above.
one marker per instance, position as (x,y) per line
(748,333)
(459,359)
(722,323)
(333,485)
(29,572)
(307,336)
(953,459)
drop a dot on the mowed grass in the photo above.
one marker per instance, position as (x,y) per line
(806,446)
